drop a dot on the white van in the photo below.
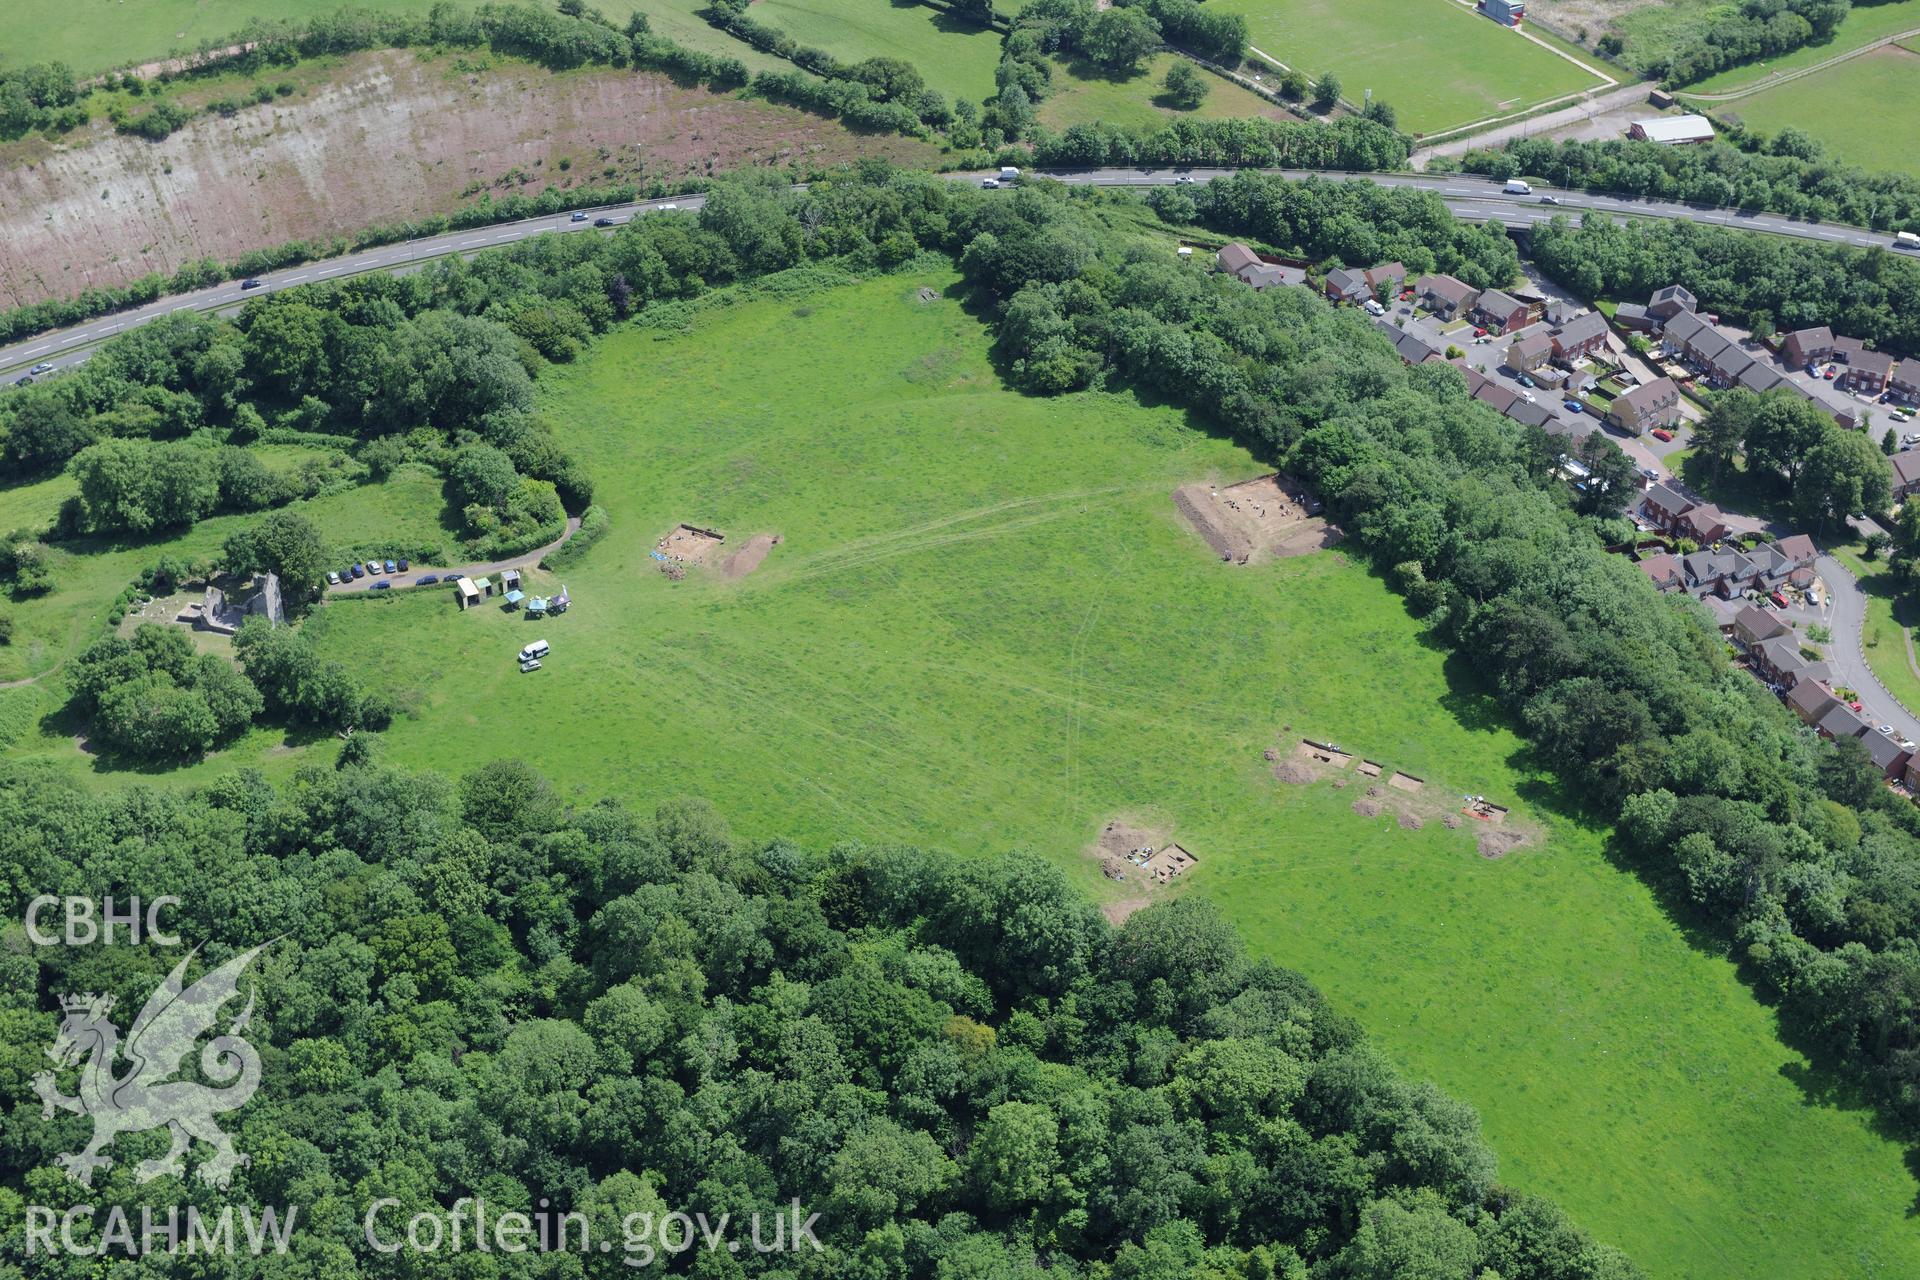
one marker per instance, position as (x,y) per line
(1906,240)
(1008,173)
(538,649)
(1515,187)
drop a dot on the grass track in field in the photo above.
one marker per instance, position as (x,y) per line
(985,624)
(986,629)
(1862,25)
(1437,63)
(1863,110)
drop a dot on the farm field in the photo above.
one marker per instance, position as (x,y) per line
(970,634)
(955,57)
(1448,67)
(1086,98)
(1863,25)
(94,35)
(1861,110)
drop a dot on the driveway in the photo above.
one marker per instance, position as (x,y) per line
(1843,610)
(463,571)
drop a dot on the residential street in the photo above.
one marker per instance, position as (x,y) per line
(1844,610)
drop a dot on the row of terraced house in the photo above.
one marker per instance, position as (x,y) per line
(1720,577)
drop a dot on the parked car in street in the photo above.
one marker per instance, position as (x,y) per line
(1662,434)
(359,570)
(1573,406)
(403,564)
(382,585)
(333,579)
(426,580)
(389,566)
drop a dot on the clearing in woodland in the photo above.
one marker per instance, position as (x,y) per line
(988,627)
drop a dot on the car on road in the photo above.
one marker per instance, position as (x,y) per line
(989,184)
(1911,438)
(1182,180)
(24,380)
(603,222)
(426,580)
(1573,406)
(1479,333)
(1528,396)
(579,216)
(251,282)
(1549,199)
(333,579)
(43,367)
(359,570)
(382,585)
(669,208)
(388,565)
(1662,434)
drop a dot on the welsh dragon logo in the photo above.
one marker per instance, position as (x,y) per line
(145,1095)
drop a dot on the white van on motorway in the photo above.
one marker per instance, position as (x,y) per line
(1515,187)
(1906,240)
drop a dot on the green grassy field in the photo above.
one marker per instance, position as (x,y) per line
(1438,64)
(956,57)
(1862,110)
(986,628)
(973,634)
(1081,96)
(1863,25)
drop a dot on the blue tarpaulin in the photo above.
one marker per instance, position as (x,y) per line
(658,555)
(514,597)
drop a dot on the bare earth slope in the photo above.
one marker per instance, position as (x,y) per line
(392,136)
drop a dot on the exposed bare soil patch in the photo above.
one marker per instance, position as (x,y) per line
(748,558)
(689,544)
(1138,854)
(1267,517)
(392,136)
(1403,796)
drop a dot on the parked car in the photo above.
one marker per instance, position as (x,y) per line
(426,580)
(538,649)
(359,570)
(1573,406)
(403,564)
(43,367)
(251,282)
(1887,729)
(1662,434)
(1479,333)
(1525,381)
(333,579)
(382,585)
(603,222)
(388,565)
(531,664)
(1828,372)
(346,574)
(1374,308)
(24,380)
(1779,599)
(579,215)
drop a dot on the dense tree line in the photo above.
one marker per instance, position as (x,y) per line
(1789,173)
(1870,294)
(1791,845)
(42,95)
(1349,143)
(960,1067)
(1749,32)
